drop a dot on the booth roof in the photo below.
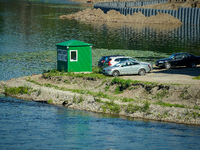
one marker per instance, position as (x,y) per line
(74,43)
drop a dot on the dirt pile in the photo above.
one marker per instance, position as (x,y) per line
(113,16)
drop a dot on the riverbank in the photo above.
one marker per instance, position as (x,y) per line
(127,95)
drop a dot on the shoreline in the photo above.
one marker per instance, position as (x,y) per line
(89,94)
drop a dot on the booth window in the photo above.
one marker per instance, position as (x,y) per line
(59,54)
(73,55)
(62,55)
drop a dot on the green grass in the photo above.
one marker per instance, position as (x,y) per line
(197,77)
(162,94)
(107,88)
(113,107)
(39,92)
(18,90)
(127,100)
(95,74)
(161,103)
(133,108)
(81,99)
(50,101)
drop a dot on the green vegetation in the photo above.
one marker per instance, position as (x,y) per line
(81,99)
(18,90)
(196,107)
(50,101)
(74,99)
(145,106)
(127,100)
(133,108)
(197,77)
(113,107)
(161,94)
(94,75)
(169,105)
(39,92)
(107,88)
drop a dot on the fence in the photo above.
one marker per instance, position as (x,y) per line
(187,15)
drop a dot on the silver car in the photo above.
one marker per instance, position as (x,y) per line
(114,60)
(127,67)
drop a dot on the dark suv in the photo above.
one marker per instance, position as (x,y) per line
(104,58)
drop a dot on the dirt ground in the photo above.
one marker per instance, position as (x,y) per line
(176,75)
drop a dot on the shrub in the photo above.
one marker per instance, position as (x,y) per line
(146,106)
(50,101)
(197,77)
(128,100)
(17,90)
(112,107)
(132,108)
(39,92)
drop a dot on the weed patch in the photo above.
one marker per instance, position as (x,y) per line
(161,103)
(133,108)
(18,90)
(113,107)
(50,101)
(127,100)
(197,77)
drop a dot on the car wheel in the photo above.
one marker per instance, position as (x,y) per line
(167,65)
(193,64)
(115,73)
(141,72)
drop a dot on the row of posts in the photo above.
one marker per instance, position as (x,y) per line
(187,15)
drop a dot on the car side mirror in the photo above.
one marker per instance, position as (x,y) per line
(122,65)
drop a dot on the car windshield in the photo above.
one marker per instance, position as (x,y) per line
(172,56)
(117,65)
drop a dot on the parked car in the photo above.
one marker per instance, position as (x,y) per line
(127,67)
(104,58)
(179,59)
(114,60)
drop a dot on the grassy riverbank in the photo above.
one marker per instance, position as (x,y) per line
(98,93)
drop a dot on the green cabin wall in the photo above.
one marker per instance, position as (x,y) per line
(84,63)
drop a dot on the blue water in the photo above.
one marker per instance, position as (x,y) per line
(32,125)
(34,26)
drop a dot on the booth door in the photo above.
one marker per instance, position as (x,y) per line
(62,60)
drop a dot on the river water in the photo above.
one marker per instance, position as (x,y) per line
(30,27)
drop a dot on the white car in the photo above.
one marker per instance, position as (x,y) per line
(114,60)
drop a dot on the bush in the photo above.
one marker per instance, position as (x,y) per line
(17,90)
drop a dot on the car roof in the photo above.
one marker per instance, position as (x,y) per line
(128,61)
(181,53)
(121,57)
(112,56)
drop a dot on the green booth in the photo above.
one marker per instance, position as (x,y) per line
(74,56)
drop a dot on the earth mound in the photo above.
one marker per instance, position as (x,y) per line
(91,15)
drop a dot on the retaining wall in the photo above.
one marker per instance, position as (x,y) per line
(187,15)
